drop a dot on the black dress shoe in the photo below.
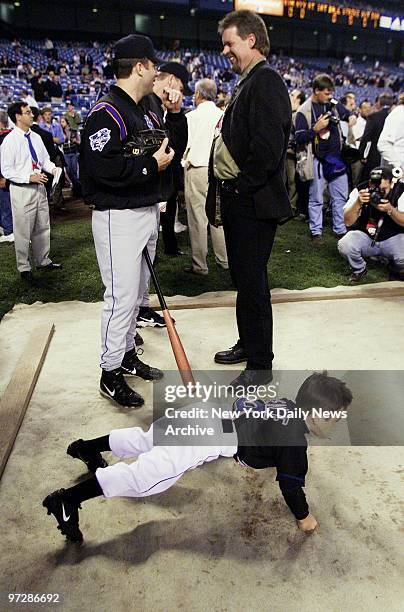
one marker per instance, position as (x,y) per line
(191,270)
(51,266)
(356,277)
(27,276)
(235,354)
(251,378)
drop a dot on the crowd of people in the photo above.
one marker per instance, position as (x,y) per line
(365,157)
(359,134)
(91,69)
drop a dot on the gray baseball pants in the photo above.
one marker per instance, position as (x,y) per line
(120,237)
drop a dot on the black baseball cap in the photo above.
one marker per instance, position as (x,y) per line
(179,71)
(136,46)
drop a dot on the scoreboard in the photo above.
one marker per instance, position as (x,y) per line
(326,12)
(308,9)
(337,14)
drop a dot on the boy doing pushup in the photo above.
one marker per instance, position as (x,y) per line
(278,439)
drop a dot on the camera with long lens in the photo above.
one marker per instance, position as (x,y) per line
(330,106)
(376,192)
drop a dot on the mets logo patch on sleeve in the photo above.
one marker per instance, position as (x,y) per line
(100,139)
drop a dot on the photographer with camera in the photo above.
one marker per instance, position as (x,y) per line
(374,215)
(123,179)
(319,143)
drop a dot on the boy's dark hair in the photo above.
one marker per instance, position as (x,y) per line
(247,23)
(301,96)
(322,391)
(323,81)
(16,109)
(123,67)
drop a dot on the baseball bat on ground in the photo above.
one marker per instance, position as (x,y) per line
(176,344)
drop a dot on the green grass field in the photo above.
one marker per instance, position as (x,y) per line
(294,264)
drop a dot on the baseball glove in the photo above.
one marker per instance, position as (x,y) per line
(145,142)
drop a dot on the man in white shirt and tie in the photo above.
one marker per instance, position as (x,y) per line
(201,129)
(23,157)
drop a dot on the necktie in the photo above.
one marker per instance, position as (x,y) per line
(32,151)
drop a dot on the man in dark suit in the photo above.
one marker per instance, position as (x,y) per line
(247,177)
(374,125)
(47,139)
(173,77)
(46,136)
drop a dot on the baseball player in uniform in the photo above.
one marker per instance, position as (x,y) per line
(124,193)
(168,92)
(274,440)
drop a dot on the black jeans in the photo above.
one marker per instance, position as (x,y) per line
(249,242)
(167,220)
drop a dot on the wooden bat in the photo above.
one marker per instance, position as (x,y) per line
(179,353)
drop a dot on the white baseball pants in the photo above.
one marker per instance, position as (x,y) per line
(157,467)
(120,237)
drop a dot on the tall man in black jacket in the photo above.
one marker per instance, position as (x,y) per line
(247,176)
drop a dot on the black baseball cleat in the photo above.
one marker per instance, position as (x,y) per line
(148,317)
(66,514)
(114,387)
(251,378)
(132,366)
(235,354)
(138,340)
(93,460)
